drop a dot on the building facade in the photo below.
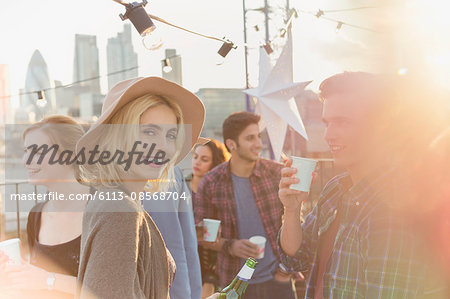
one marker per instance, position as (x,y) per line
(121,56)
(38,79)
(86,62)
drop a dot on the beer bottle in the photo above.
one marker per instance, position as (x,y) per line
(237,287)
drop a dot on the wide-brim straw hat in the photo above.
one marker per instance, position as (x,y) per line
(129,90)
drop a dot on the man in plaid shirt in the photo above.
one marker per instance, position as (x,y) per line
(354,243)
(243,194)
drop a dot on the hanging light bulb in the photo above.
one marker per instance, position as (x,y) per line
(339,26)
(167,67)
(268,48)
(41,95)
(139,18)
(220,60)
(151,39)
(226,48)
(319,13)
(41,102)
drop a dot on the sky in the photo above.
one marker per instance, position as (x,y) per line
(50,26)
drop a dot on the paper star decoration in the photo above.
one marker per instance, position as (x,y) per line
(274,97)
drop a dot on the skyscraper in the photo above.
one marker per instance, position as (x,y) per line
(121,56)
(38,79)
(86,63)
(175,75)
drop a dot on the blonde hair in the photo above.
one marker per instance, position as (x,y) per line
(63,131)
(113,139)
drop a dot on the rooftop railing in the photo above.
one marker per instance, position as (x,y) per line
(325,169)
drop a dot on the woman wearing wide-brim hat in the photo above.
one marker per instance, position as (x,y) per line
(122,252)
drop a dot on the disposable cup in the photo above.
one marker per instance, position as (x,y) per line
(11,248)
(259,241)
(210,229)
(305,168)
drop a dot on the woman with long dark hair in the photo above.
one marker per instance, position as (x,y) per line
(205,158)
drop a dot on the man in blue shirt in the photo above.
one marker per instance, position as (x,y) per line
(175,221)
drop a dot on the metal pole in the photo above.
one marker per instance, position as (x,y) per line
(247,97)
(266,19)
(292,131)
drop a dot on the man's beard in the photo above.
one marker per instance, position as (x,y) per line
(244,157)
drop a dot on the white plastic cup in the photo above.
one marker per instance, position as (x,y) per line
(11,248)
(210,229)
(259,241)
(305,168)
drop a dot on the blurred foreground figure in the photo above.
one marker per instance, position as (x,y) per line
(376,231)
(54,226)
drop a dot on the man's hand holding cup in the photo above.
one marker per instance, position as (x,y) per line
(291,198)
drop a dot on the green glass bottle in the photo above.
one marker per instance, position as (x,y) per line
(237,287)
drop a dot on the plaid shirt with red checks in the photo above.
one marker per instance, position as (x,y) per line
(215,199)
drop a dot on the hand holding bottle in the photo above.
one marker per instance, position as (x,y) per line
(237,287)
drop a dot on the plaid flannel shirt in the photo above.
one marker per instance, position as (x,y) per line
(374,254)
(215,199)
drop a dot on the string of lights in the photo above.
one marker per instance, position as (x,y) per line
(348,9)
(223,40)
(187,30)
(282,32)
(223,51)
(320,14)
(40,92)
(143,23)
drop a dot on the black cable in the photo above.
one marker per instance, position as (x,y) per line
(337,21)
(349,9)
(73,83)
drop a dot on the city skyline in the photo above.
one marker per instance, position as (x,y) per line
(53,36)
(318,51)
(79,100)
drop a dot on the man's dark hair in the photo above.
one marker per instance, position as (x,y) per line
(361,83)
(235,123)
